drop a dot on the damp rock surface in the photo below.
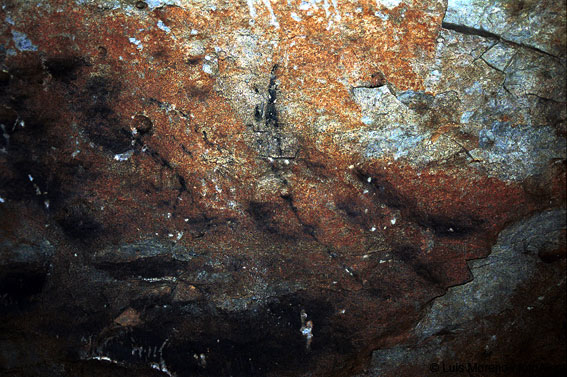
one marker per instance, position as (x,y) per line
(282,188)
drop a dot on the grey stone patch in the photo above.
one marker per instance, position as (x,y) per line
(457,64)
(25,253)
(194,49)
(141,250)
(393,127)
(513,260)
(389,360)
(514,153)
(499,56)
(416,100)
(398,141)
(459,69)
(529,109)
(537,74)
(457,315)
(153,4)
(118,4)
(495,81)
(246,89)
(501,103)
(22,41)
(476,83)
(252,89)
(519,22)
(377,101)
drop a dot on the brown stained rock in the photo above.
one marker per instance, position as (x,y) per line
(186,293)
(129,317)
(220,168)
(142,124)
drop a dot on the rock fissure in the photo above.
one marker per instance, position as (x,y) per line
(487,34)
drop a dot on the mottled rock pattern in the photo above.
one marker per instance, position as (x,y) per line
(516,283)
(280,188)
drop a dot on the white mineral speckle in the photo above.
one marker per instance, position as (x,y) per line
(382,16)
(295,16)
(162,26)
(388,3)
(306,331)
(163,278)
(466,116)
(304,5)
(153,4)
(306,328)
(123,156)
(104,358)
(207,69)
(366,120)
(251,8)
(273,19)
(137,43)
(514,153)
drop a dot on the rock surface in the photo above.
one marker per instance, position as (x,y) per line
(282,188)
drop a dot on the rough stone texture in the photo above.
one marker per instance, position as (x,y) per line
(282,188)
(506,285)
